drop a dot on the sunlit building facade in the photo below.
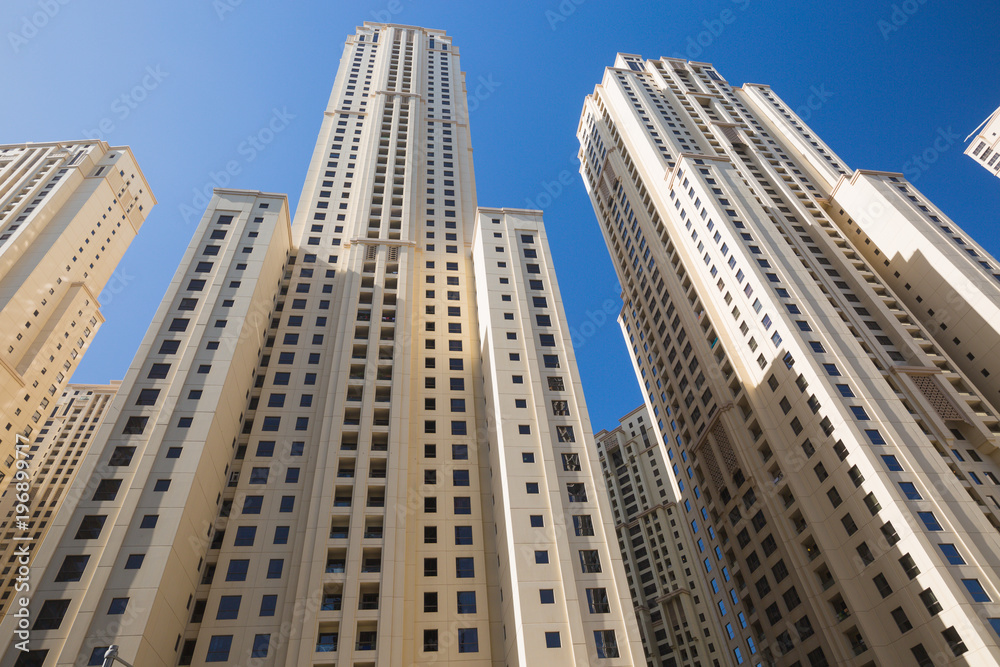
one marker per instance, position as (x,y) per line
(68,212)
(818,349)
(53,458)
(356,439)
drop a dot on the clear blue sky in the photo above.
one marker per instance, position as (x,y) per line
(222,68)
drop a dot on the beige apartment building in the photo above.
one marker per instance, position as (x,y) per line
(817,348)
(68,212)
(985,144)
(53,457)
(680,621)
(357,439)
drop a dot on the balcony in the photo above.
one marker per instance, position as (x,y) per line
(327,646)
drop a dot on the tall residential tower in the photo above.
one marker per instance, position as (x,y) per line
(985,147)
(68,212)
(357,439)
(53,457)
(818,348)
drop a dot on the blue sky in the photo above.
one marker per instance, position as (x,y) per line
(200,76)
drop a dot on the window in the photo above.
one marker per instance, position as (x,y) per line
(468,640)
(930,521)
(51,614)
(891,462)
(466,602)
(976,590)
(463,505)
(951,554)
(607,644)
(134,561)
(583,525)
(597,601)
(238,570)
(229,607)
(571,462)
(465,568)
(149,521)
(218,648)
(902,622)
(541,557)
(577,492)
(552,640)
(245,536)
(90,527)
(107,489)
(460,477)
(268,604)
(252,504)
(147,397)
(546,596)
(951,635)
(909,490)
(72,568)
(275,567)
(260,645)
(874,436)
(157,372)
(463,535)
(590,560)
(161,485)
(565,434)
(135,425)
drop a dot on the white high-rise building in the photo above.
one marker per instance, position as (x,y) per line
(818,348)
(356,439)
(679,622)
(985,143)
(52,459)
(68,212)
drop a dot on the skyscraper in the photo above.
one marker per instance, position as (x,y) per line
(983,148)
(818,349)
(679,623)
(356,439)
(54,456)
(68,212)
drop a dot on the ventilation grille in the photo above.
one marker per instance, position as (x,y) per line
(945,409)
(370,252)
(725,447)
(707,457)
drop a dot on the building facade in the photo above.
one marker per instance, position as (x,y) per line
(53,459)
(357,439)
(679,622)
(815,346)
(985,143)
(68,212)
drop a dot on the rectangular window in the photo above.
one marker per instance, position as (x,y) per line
(607,644)
(218,648)
(468,640)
